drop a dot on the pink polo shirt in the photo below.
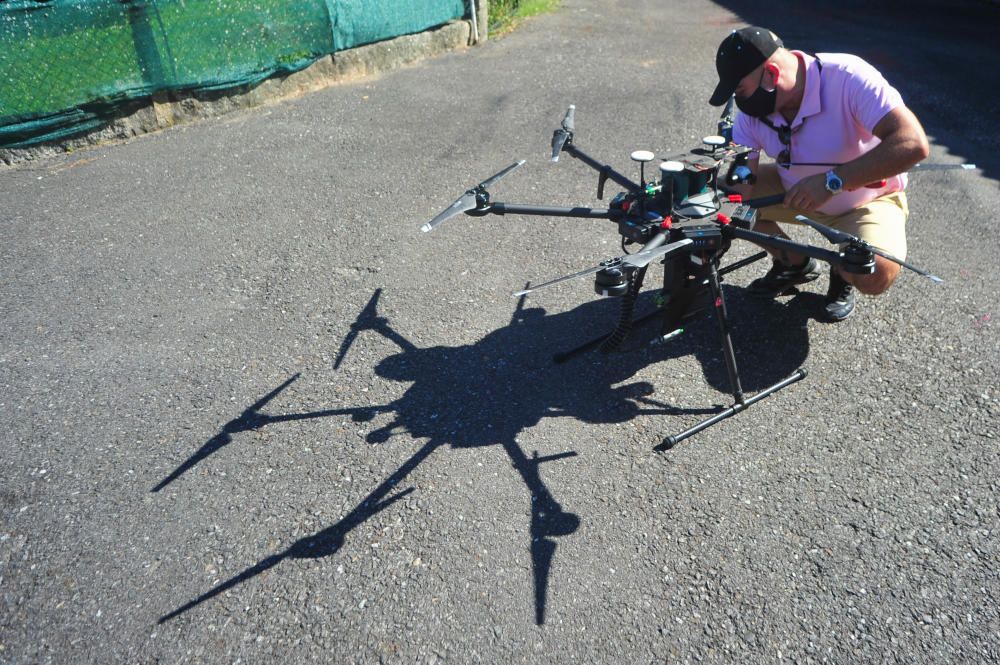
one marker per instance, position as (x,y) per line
(840,106)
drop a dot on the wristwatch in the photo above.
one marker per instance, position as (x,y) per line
(834,183)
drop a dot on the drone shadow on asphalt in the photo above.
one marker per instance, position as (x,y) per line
(770,338)
(457,391)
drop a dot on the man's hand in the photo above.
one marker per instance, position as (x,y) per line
(808,194)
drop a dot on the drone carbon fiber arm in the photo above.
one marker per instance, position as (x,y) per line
(777,242)
(547,211)
(607,173)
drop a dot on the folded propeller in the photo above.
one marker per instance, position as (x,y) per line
(633,261)
(472,199)
(839,237)
(564,133)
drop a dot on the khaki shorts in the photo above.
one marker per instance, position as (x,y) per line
(881,222)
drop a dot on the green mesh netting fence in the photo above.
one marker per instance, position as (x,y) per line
(68,65)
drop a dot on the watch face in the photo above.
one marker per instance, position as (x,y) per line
(833,182)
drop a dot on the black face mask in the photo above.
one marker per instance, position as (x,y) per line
(761,103)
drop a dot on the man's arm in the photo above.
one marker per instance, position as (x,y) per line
(903,144)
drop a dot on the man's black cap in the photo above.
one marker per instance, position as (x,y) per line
(739,54)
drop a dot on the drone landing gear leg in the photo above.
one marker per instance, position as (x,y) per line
(742,403)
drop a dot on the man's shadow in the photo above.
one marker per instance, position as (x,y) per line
(480,394)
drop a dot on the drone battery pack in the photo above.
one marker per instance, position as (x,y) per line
(704,237)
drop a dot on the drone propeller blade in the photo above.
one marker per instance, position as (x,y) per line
(837,237)
(588,271)
(561,135)
(923,166)
(567,122)
(637,260)
(910,266)
(559,138)
(727,119)
(833,235)
(492,180)
(645,257)
(727,112)
(467,201)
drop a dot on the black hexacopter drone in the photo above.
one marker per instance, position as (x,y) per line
(687,220)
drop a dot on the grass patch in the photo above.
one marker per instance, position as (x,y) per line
(506,14)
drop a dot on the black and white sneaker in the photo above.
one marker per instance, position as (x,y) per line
(839,297)
(780,278)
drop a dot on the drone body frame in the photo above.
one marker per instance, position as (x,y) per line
(687,220)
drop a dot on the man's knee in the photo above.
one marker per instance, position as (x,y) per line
(878,282)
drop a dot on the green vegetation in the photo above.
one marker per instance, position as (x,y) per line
(63,60)
(506,14)
(63,55)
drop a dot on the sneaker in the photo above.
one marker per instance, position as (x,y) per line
(839,297)
(780,278)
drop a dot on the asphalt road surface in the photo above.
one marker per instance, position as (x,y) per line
(251,413)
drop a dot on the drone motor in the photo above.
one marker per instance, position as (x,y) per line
(858,260)
(611,280)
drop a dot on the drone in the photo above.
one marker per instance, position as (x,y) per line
(686,220)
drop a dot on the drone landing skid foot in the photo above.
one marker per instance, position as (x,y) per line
(672,441)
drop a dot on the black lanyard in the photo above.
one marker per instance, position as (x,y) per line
(785,131)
